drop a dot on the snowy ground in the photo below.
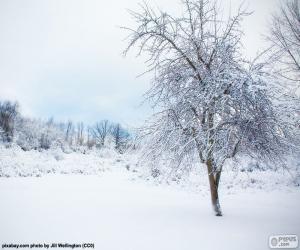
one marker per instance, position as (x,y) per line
(117,209)
(115,213)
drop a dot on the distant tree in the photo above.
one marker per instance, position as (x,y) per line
(37,134)
(212,103)
(80,133)
(100,131)
(8,114)
(45,142)
(285,38)
(69,132)
(46,138)
(90,138)
(28,133)
(120,137)
(1,133)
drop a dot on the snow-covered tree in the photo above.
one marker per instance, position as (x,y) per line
(285,38)
(120,137)
(28,134)
(37,134)
(8,113)
(80,133)
(1,134)
(212,103)
(100,132)
(69,132)
(91,142)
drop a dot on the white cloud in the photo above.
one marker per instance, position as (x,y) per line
(63,57)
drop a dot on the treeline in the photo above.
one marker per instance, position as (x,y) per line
(35,134)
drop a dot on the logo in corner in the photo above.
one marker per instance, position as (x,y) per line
(283,241)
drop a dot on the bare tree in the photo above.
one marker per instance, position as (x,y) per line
(100,131)
(285,38)
(212,103)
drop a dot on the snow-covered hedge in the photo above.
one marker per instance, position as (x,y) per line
(15,162)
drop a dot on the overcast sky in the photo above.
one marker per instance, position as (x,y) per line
(63,58)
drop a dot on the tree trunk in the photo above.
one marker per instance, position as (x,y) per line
(214,183)
(213,174)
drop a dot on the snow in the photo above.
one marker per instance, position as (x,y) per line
(115,213)
(94,198)
(16,162)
